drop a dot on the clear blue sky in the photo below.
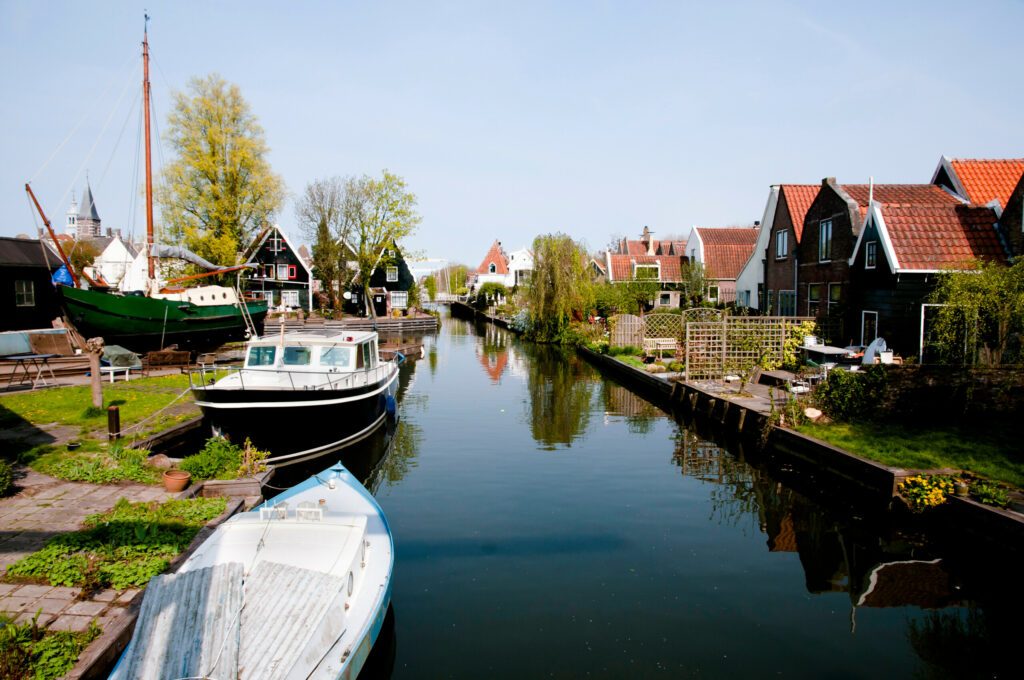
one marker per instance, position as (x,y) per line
(512,119)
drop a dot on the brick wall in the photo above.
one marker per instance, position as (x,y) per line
(952,393)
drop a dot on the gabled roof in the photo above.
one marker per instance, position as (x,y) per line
(981,180)
(798,200)
(26,252)
(496,256)
(932,237)
(261,238)
(726,249)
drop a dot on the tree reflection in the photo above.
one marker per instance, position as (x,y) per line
(560,387)
(733,493)
(399,456)
(640,414)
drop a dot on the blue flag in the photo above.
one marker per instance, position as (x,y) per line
(62,277)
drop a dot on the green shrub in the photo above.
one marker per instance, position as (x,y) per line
(852,395)
(99,467)
(625,349)
(6,478)
(218,459)
(677,366)
(30,651)
(990,494)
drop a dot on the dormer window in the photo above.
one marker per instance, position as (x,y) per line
(647,272)
(492,268)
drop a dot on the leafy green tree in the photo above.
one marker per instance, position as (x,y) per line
(487,294)
(984,308)
(319,213)
(695,283)
(376,212)
(430,285)
(559,289)
(219,190)
(641,289)
(608,299)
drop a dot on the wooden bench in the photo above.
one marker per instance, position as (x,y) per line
(659,345)
(166,358)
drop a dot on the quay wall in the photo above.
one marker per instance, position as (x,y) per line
(953,392)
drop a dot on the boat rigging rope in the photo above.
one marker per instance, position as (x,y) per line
(139,424)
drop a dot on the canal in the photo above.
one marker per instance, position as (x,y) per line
(549,522)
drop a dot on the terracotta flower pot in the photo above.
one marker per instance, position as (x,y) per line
(176,480)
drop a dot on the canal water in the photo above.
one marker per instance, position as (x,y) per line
(548,522)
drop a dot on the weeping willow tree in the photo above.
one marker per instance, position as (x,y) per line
(560,289)
(982,317)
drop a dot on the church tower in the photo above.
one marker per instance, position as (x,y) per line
(71,218)
(88,219)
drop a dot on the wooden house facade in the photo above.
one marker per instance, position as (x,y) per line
(27,294)
(278,273)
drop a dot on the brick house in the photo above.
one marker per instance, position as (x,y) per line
(723,251)
(980,180)
(901,248)
(649,258)
(785,227)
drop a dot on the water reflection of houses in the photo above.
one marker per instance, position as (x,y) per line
(493,352)
(888,570)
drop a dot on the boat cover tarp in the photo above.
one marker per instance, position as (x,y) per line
(204,624)
(115,355)
(180,253)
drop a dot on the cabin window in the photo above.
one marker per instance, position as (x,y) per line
(297,356)
(399,299)
(392,274)
(825,241)
(282,271)
(261,356)
(24,294)
(336,356)
(781,244)
(870,254)
(813,298)
(367,357)
(787,303)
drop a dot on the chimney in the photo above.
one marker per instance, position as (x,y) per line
(645,238)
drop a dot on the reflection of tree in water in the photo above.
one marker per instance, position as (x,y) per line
(640,414)
(400,457)
(560,387)
(432,359)
(966,643)
(733,492)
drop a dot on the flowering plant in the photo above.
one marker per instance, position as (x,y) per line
(926,491)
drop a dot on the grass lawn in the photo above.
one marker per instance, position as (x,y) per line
(69,410)
(985,452)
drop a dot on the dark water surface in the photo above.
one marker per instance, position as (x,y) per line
(549,522)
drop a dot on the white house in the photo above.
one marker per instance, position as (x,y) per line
(520,266)
(751,277)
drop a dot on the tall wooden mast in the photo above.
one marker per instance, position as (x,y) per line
(149,163)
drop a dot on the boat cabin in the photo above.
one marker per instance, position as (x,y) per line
(329,351)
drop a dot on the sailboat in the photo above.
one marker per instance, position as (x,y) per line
(163,314)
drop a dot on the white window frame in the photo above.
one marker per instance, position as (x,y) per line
(665,299)
(290,298)
(656,266)
(276,244)
(24,293)
(863,317)
(399,299)
(282,272)
(815,301)
(713,292)
(781,244)
(870,254)
(392,274)
(825,244)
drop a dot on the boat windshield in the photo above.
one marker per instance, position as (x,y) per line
(297,356)
(261,356)
(336,356)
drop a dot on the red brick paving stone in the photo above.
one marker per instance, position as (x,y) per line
(50,605)
(43,620)
(15,604)
(34,591)
(88,608)
(71,622)
(105,596)
(127,596)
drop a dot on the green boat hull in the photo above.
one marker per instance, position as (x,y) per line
(142,324)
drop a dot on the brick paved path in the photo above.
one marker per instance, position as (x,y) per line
(43,508)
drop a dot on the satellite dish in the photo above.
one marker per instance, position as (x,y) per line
(347,295)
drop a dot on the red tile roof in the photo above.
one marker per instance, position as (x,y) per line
(900,194)
(497,256)
(622,266)
(987,179)
(727,249)
(798,200)
(931,237)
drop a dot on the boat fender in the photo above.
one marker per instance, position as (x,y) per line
(390,405)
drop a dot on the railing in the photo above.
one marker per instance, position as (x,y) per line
(204,377)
